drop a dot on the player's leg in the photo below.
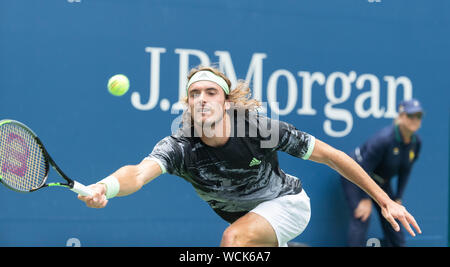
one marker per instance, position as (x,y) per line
(251,230)
(271,223)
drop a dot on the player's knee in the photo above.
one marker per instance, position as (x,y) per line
(229,237)
(234,237)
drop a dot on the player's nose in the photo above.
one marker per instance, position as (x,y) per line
(201,99)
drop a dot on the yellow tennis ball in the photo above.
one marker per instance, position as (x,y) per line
(118,85)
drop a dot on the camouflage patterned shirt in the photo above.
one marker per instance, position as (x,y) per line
(234,178)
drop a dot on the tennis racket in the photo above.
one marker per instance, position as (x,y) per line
(24,162)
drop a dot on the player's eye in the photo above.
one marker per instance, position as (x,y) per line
(211,92)
(194,94)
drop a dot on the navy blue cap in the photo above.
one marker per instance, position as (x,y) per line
(410,106)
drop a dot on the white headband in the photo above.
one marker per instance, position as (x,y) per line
(205,75)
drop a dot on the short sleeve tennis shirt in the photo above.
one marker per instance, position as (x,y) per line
(244,172)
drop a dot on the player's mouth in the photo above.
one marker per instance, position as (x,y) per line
(204,111)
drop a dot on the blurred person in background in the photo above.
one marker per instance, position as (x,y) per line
(391,152)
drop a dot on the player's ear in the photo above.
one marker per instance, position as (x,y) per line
(227,105)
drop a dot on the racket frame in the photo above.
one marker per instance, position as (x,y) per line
(71,184)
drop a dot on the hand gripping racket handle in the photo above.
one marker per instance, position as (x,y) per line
(81,189)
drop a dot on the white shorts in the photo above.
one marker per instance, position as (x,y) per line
(289,215)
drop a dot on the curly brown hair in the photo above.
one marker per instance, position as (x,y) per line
(239,96)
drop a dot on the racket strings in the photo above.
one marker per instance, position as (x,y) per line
(22,162)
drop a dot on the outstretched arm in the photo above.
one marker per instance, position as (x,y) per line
(347,167)
(130,179)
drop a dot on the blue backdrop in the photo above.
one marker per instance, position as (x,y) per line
(337,69)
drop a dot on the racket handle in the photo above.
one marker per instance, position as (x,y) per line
(81,189)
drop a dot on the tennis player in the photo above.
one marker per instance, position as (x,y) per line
(228,152)
(390,152)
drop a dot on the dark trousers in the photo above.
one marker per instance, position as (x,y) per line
(357,230)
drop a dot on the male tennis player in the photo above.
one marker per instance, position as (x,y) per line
(228,153)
